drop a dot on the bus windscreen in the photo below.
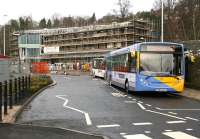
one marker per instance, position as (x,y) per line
(161,60)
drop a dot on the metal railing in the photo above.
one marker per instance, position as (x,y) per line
(12,92)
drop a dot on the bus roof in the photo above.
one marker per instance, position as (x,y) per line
(135,47)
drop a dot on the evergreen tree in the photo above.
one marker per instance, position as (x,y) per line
(49,24)
(42,23)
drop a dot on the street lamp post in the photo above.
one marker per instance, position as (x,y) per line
(162,18)
(4,37)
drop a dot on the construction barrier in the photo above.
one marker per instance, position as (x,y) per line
(40,67)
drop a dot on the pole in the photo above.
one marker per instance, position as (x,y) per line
(10,94)
(162,19)
(4,38)
(1,93)
(5,98)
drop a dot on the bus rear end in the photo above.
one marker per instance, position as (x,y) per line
(160,68)
(98,67)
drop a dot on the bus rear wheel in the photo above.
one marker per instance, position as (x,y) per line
(110,81)
(127,87)
(94,75)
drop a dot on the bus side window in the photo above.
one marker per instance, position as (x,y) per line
(132,64)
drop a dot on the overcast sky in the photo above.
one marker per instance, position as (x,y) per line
(46,8)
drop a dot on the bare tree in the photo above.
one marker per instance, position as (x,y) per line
(124,9)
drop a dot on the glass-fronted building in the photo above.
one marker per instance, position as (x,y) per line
(29,46)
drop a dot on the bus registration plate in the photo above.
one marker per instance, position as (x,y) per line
(161,90)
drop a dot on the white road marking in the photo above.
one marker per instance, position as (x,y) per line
(129,97)
(94,79)
(189,129)
(147,132)
(141,106)
(137,136)
(103,126)
(87,117)
(148,105)
(117,95)
(166,114)
(174,122)
(172,113)
(168,130)
(140,101)
(115,89)
(146,123)
(62,97)
(122,133)
(68,78)
(177,109)
(129,102)
(179,135)
(134,99)
(192,118)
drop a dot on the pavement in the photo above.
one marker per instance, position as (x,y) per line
(192,93)
(89,105)
(14,131)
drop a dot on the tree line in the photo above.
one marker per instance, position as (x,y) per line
(181,19)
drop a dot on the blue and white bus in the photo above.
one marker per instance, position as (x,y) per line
(149,66)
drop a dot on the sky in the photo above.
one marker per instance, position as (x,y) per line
(46,8)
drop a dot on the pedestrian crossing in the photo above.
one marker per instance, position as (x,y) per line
(179,135)
(137,136)
(171,135)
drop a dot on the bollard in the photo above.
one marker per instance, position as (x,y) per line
(29,81)
(10,94)
(19,89)
(1,102)
(23,86)
(5,98)
(26,85)
(15,90)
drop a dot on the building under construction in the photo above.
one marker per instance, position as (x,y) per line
(79,44)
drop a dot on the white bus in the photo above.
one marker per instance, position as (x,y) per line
(98,67)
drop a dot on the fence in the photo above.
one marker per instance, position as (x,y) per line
(12,92)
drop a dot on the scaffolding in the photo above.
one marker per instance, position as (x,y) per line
(82,44)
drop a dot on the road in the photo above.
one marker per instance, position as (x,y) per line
(90,105)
